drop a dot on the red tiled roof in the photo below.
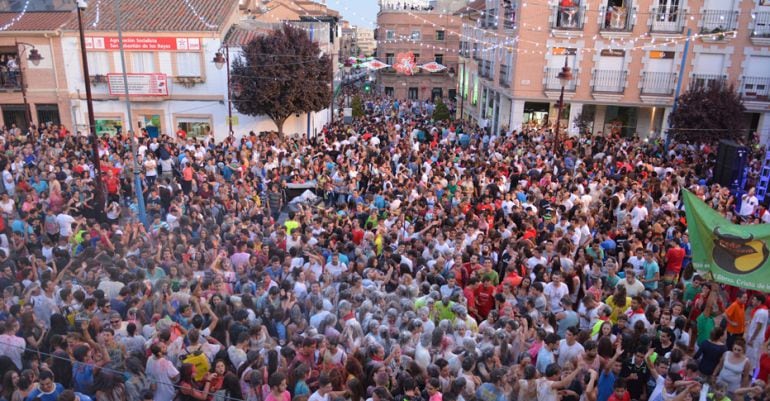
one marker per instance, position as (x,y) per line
(237,37)
(36,21)
(158,15)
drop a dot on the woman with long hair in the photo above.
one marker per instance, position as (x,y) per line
(188,388)
(230,389)
(109,386)
(618,302)
(10,382)
(137,381)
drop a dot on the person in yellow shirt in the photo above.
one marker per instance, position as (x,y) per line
(619,303)
(290,223)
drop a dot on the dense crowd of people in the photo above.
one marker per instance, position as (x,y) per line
(441,262)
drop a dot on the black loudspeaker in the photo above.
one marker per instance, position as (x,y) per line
(730,168)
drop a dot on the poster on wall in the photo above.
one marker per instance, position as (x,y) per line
(138,84)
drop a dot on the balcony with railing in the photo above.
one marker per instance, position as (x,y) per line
(505,78)
(667,19)
(509,16)
(755,89)
(761,25)
(715,21)
(706,81)
(487,71)
(552,82)
(617,19)
(609,81)
(658,83)
(10,80)
(567,18)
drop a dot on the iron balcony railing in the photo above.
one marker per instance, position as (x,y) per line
(658,83)
(552,79)
(761,25)
(567,17)
(618,19)
(610,81)
(707,80)
(713,21)
(10,80)
(667,19)
(505,79)
(509,15)
(755,88)
(487,71)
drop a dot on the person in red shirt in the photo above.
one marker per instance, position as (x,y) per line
(485,297)
(470,297)
(674,258)
(181,134)
(113,185)
(619,392)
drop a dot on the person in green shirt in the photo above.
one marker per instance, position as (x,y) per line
(693,289)
(487,271)
(443,310)
(291,224)
(705,321)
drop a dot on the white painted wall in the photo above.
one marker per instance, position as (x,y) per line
(215,84)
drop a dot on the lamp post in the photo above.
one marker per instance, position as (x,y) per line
(565,75)
(34,57)
(82,5)
(462,86)
(220,61)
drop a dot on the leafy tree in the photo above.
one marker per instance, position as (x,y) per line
(441,112)
(584,121)
(358,107)
(707,113)
(281,74)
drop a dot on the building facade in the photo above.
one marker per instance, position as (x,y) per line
(430,36)
(33,92)
(625,56)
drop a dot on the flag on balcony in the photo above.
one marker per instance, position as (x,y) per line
(433,67)
(376,65)
(405,63)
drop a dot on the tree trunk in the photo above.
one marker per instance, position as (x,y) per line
(279,124)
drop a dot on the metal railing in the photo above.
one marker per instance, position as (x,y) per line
(487,70)
(505,79)
(755,88)
(10,80)
(491,19)
(667,19)
(658,83)
(567,17)
(611,81)
(509,16)
(707,80)
(618,19)
(761,25)
(713,21)
(552,79)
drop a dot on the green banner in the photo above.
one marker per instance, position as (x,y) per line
(727,253)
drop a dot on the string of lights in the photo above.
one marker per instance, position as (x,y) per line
(17,18)
(192,9)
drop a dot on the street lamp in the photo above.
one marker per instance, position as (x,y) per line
(82,5)
(34,57)
(220,60)
(565,76)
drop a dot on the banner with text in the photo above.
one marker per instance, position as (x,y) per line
(134,43)
(138,84)
(727,253)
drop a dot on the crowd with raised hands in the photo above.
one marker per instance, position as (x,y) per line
(439,262)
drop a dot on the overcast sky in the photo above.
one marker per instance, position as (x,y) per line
(358,12)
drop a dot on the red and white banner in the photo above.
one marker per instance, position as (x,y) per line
(136,43)
(405,63)
(433,67)
(376,65)
(138,84)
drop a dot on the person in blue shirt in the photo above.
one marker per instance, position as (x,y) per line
(545,356)
(493,390)
(609,374)
(48,390)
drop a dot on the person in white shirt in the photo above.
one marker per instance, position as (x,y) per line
(633,286)
(755,335)
(555,291)
(569,348)
(638,214)
(161,372)
(12,345)
(65,224)
(749,203)
(335,267)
